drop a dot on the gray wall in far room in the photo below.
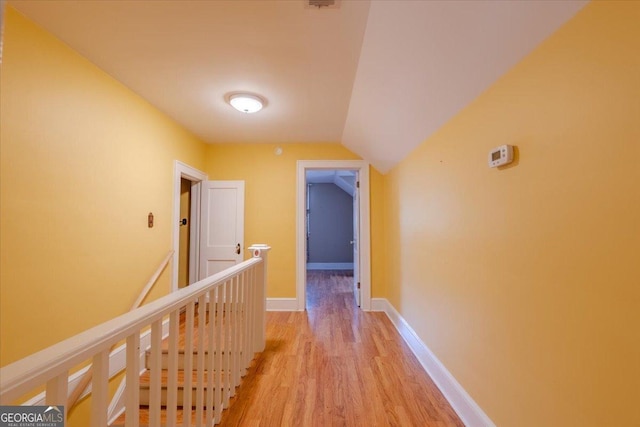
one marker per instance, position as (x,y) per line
(330,224)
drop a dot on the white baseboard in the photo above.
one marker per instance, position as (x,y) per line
(329,266)
(380,304)
(466,408)
(282,304)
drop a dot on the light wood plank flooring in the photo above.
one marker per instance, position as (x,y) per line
(335,365)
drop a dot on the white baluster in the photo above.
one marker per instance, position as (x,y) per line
(156,373)
(218,356)
(188,362)
(212,346)
(132,392)
(235,327)
(251,311)
(202,302)
(57,390)
(99,389)
(226,334)
(172,368)
(245,323)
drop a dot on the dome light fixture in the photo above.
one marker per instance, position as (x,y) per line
(246,103)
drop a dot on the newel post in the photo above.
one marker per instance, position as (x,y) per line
(260,251)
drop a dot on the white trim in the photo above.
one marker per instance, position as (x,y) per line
(365,246)
(282,304)
(182,170)
(194,230)
(329,266)
(116,407)
(467,409)
(117,364)
(380,304)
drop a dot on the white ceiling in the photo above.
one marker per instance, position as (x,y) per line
(379,77)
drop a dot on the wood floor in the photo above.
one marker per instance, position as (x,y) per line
(335,365)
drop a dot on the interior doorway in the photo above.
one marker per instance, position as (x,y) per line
(184,223)
(332,228)
(356,171)
(187,194)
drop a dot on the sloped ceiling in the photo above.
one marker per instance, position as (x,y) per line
(379,77)
(423,61)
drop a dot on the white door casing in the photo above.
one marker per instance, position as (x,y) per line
(362,169)
(356,242)
(222,231)
(197,177)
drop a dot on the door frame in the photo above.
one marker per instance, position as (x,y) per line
(364,218)
(182,170)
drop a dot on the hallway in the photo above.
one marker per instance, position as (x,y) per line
(335,365)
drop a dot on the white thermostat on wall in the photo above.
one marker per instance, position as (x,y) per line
(501,155)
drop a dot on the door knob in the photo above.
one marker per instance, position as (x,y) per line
(238,249)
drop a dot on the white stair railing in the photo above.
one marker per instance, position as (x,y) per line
(233,304)
(85,380)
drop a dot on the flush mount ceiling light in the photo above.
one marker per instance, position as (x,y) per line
(246,103)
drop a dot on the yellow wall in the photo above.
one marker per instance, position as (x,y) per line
(525,281)
(378,245)
(270,200)
(83,161)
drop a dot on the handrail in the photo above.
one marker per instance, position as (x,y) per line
(88,375)
(152,281)
(21,376)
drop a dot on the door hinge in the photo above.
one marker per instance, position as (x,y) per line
(357,184)
(358,285)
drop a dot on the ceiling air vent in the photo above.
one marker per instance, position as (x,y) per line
(323,4)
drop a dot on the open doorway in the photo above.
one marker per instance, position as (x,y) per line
(307,258)
(187,193)
(331,233)
(184,278)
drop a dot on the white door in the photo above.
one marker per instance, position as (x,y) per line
(222,231)
(356,242)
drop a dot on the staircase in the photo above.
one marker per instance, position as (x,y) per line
(187,379)
(145,379)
